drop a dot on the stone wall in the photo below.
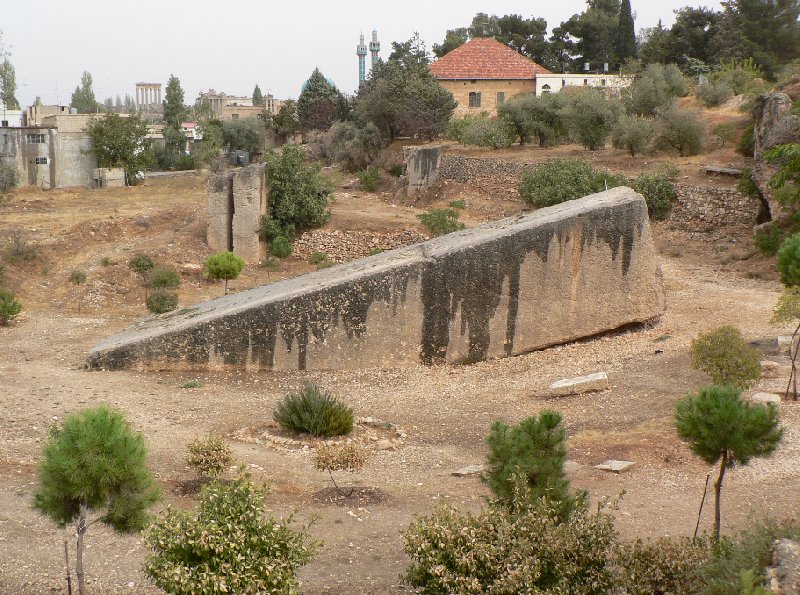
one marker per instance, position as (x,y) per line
(488,173)
(503,288)
(236,200)
(488,88)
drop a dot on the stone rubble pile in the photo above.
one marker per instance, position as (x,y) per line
(699,208)
(344,246)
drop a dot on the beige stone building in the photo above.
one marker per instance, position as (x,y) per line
(484,73)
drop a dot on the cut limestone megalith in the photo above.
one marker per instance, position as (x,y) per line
(551,276)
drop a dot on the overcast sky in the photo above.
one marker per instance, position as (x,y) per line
(232,46)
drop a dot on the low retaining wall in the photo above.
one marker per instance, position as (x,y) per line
(503,288)
(344,246)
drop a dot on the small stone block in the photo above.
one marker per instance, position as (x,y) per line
(764,398)
(615,466)
(580,384)
(471,470)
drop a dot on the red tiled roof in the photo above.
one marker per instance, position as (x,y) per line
(485,58)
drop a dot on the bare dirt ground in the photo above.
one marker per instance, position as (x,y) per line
(444,412)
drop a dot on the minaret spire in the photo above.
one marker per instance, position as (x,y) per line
(374,46)
(361,52)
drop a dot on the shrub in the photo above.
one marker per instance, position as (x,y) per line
(369,178)
(77,277)
(747,145)
(106,261)
(742,76)
(141,264)
(374,251)
(747,185)
(271,264)
(209,456)
(681,130)
(9,307)
(632,133)
(789,260)
(162,301)
(768,239)
(355,147)
(224,265)
(19,249)
(493,134)
(2,274)
(314,411)
(590,117)
(228,545)
(340,457)
(280,247)
(457,204)
(193,384)
(662,566)
(726,357)
(298,194)
(529,550)
(164,278)
(458,126)
(657,86)
(271,229)
(317,257)
(658,193)
(440,221)
(713,92)
(725,132)
(9,176)
(558,180)
(532,452)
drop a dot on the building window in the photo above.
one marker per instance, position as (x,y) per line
(546,88)
(40,161)
(474,99)
(234,116)
(501,98)
(37,139)
(585,82)
(603,82)
(563,82)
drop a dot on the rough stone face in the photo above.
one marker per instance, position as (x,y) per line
(503,288)
(580,384)
(615,466)
(784,574)
(469,470)
(764,398)
(774,125)
(422,166)
(236,201)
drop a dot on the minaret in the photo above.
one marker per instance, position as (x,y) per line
(361,52)
(374,46)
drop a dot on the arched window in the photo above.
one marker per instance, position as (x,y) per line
(546,88)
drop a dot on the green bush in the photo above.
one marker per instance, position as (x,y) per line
(270,229)
(270,264)
(227,546)
(9,307)
(663,565)
(77,277)
(493,134)
(106,261)
(632,133)
(746,185)
(19,248)
(2,274)
(355,147)
(164,278)
(559,180)
(440,221)
(374,251)
(747,144)
(9,176)
(369,178)
(529,550)
(679,129)
(655,87)
(713,92)
(280,247)
(532,452)
(162,301)
(209,456)
(726,357)
(768,239)
(457,204)
(314,411)
(658,193)
(789,260)
(458,126)
(725,132)
(317,257)
(224,265)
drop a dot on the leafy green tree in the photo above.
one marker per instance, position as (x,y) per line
(422,107)
(558,180)
(83,98)
(722,428)
(625,43)
(654,45)
(174,115)
(286,121)
(535,117)
(679,129)
(789,261)
(786,181)
(410,54)
(246,134)
(78,278)
(454,38)
(227,546)
(320,103)
(224,265)
(213,136)
(691,35)
(655,87)
(590,116)
(632,133)
(258,96)
(516,113)
(595,32)
(532,453)
(8,85)
(95,462)
(787,311)
(121,142)
(726,357)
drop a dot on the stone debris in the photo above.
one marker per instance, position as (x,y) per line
(615,466)
(764,398)
(580,384)
(344,246)
(784,574)
(469,470)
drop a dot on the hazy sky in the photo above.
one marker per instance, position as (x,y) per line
(231,46)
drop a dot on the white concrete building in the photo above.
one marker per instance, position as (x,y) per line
(553,83)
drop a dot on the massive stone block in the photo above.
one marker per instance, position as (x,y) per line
(507,287)
(422,166)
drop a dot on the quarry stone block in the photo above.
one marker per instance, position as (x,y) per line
(503,288)
(422,166)
(580,384)
(764,398)
(615,466)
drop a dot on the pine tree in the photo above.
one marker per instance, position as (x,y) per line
(533,452)
(83,98)
(721,427)
(320,103)
(95,462)
(626,35)
(258,97)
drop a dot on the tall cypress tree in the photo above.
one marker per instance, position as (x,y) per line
(258,96)
(626,36)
